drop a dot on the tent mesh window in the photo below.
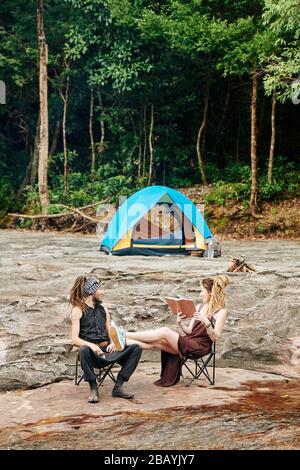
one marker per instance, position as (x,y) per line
(163,224)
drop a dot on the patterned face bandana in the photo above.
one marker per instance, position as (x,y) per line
(91,286)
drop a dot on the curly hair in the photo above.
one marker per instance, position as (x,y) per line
(77,293)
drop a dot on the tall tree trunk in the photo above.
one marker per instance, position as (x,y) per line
(219,132)
(26,179)
(101,147)
(91,118)
(145,140)
(201,131)
(55,137)
(65,99)
(261,119)
(43,98)
(151,146)
(273,137)
(140,145)
(35,157)
(164,174)
(253,195)
(32,167)
(132,162)
(238,137)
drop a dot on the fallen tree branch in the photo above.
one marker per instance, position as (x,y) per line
(79,212)
(70,211)
(39,216)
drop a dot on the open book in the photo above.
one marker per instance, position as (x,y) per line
(185,306)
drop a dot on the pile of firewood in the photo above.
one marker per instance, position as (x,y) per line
(240,265)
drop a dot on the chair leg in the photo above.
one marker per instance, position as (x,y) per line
(205,370)
(188,383)
(112,376)
(103,374)
(200,368)
(76,371)
(77,381)
(100,376)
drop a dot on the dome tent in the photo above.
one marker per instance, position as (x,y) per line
(156,220)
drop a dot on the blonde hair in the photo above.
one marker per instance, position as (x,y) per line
(215,286)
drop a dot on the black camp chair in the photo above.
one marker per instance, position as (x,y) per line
(200,366)
(101,373)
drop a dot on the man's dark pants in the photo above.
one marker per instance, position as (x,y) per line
(128,359)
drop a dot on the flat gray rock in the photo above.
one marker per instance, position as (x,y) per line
(37,271)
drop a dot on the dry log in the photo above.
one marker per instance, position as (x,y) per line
(70,211)
(240,265)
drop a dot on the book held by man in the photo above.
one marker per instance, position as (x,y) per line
(185,306)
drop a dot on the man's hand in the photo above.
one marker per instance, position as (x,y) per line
(111,348)
(96,349)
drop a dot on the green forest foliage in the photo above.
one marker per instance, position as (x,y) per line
(132,55)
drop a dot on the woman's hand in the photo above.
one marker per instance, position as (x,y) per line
(180,317)
(200,316)
(111,348)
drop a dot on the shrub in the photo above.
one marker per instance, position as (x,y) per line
(213,173)
(223,192)
(6,195)
(237,172)
(31,203)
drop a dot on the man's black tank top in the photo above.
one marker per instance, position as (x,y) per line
(92,324)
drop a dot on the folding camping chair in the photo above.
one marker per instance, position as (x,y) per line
(201,364)
(100,373)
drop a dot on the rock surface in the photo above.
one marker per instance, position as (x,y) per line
(245,410)
(37,271)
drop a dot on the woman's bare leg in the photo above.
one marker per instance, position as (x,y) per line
(152,336)
(162,344)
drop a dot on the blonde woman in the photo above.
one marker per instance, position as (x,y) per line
(204,328)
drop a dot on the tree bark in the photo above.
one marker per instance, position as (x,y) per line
(151,146)
(65,100)
(145,140)
(219,132)
(35,156)
(201,131)
(164,174)
(101,147)
(32,167)
(91,118)
(253,195)
(140,145)
(43,98)
(238,137)
(55,137)
(273,137)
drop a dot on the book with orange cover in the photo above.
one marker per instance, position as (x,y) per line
(185,306)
